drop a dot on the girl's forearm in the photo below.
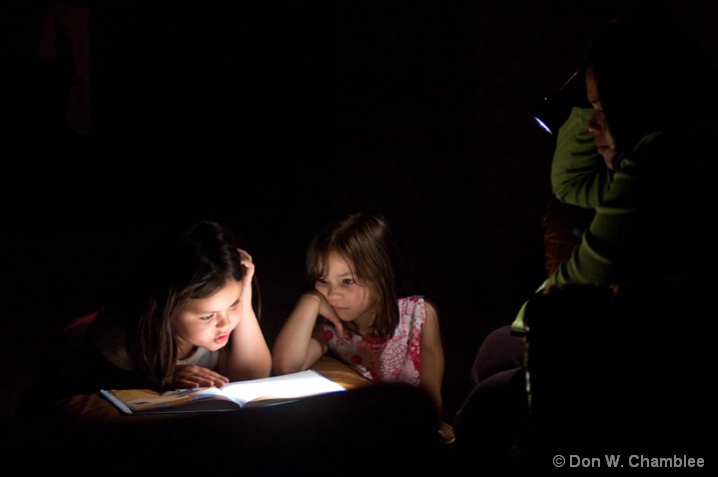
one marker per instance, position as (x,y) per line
(249,357)
(295,349)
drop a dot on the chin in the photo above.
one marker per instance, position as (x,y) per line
(216,346)
(611,161)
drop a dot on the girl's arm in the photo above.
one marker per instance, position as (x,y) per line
(432,357)
(249,356)
(300,343)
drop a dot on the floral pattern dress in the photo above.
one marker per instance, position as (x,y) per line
(386,360)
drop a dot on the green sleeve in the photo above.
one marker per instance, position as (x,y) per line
(579,175)
(615,236)
(518,323)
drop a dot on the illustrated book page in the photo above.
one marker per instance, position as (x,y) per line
(232,396)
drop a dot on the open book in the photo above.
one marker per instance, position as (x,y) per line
(232,396)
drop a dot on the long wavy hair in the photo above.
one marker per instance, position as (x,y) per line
(366,242)
(192,264)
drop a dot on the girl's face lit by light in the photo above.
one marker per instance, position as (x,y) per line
(351,299)
(207,322)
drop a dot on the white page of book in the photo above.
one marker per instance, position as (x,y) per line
(302,383)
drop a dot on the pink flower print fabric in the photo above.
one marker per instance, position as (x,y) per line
(393,360)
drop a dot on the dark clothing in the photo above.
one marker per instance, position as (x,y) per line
(498,402)
(632,377)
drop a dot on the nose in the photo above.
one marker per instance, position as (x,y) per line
(222,320)
(594,125)
(332,291)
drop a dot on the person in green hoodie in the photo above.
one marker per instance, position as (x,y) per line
(639,157)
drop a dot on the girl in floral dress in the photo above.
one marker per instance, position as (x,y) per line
(353,311)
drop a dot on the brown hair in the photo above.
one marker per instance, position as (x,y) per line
(366,241)
(189,265)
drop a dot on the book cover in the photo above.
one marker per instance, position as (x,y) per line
(232,396)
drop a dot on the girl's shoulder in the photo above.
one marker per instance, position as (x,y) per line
(421,300)
(412,298)
(411,301)
(417,304)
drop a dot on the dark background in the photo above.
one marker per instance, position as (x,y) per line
(274,118)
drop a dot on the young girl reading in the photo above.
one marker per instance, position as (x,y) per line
(353,311)
(184,320)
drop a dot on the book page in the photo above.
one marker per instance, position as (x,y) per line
(232,395)
(147,400)
(294,385)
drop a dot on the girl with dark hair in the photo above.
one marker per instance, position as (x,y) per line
(184,320)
